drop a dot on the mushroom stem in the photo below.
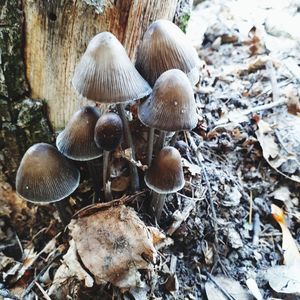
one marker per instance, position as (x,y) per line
(106,174)
(173,139)
(128,139)
(157,204)
(94,168)
(62,207)
(150,145)
(161,141)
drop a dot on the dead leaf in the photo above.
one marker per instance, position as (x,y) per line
(285,279)
(231,286)
(253,288)
(289,247)
(283,194)
(113,244)
(120,184)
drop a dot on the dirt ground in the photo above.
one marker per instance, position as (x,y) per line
(221,240)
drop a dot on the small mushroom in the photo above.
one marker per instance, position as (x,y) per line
(164,47)
(46,176)
(108,135)
(170,107)
(76,142)
(164,176)
(105,74)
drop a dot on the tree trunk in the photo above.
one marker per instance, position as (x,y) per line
(57,33)
(40,44)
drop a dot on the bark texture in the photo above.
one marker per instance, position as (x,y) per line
(57,33)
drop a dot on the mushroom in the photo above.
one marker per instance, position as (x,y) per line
(46,176)
(170,107)
(164,176)
(76,142)
(108,135)
(164,47)
(105,74)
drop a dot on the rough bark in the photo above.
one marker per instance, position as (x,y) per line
(57,33)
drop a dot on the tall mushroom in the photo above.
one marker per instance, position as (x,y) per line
(105,74)
(76,142)
(164,47)
(170,107)
(108,135)
(46,176)
(164,176)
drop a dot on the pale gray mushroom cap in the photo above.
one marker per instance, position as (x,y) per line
(165,174)
(76,141)
(105,73)
(45,175)
(171,105)
(164,47)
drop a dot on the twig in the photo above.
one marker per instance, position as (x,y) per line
(275,90)
(256,229)
(230,297)
(30,286)
(43,291)
(210,198)
(250,207)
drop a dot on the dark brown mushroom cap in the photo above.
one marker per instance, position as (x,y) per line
(171,106)
(105,73)
(108,131)
(45,175)
(164,47)
(165,174)
(76,141)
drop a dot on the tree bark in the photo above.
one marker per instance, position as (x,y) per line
(58,31)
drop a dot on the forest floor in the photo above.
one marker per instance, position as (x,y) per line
(221,240)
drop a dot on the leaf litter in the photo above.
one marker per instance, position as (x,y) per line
(242,157)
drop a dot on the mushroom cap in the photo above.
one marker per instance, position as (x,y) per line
(171,105)
(45,175)
(165,174)
(108,131)
(106,74)
(165,46)
(76,141)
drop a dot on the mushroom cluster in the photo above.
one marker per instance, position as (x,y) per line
(106,75)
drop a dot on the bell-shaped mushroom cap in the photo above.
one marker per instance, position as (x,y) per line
(165,174)
(171,106)
(106,74)
(164,47)
(76,141)
(108,131)
(45,175)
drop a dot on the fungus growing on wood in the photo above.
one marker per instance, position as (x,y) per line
(170,107)
(105,74)
(108,135)
(76,141)
(164,47)
(46,176)
(164,176)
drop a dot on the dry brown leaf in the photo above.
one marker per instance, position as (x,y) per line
(113,244)
(120,184)
(289,247)
(280,145)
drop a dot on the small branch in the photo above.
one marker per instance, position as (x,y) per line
(272,75)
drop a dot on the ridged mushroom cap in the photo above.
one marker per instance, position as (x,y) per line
(165,46)
(171,105)
(165,174)
(106,74)
(108,131)
(45,175)
(76,141)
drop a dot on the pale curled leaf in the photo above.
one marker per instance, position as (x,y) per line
(253,288)
(113,244)
(289,247)
(231,286)
(285,279)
